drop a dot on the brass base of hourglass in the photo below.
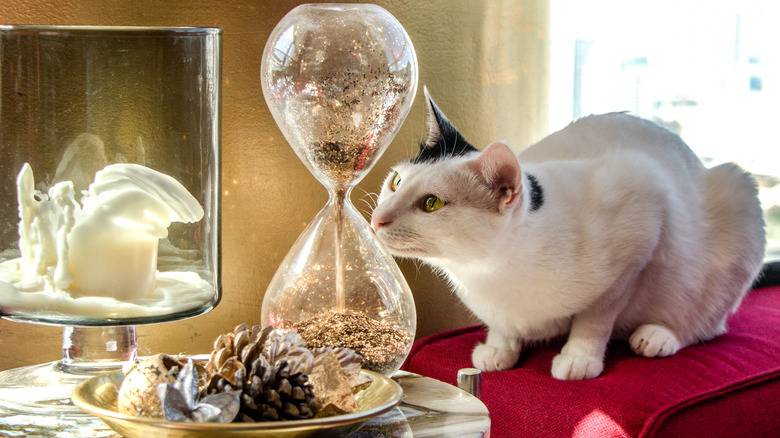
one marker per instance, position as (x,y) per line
(45,389)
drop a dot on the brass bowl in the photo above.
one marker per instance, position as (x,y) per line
(98,395)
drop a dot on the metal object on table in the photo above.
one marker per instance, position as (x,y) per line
(470,380)
(97,396)
(429,408)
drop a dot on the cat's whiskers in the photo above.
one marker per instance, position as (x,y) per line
(414,147)
(404,242)
(417,265)
(366,211)
(409,144)
(373,199)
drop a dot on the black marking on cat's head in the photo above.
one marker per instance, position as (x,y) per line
(443,139)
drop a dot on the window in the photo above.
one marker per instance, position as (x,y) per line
(709,71)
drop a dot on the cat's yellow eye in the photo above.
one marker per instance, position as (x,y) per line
(395,182)
(433,203)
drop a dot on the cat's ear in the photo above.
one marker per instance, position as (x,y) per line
(443,139)
(499,168)
(439,127)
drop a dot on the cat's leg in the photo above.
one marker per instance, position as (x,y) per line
(499,352)
(582,357)
(652,340)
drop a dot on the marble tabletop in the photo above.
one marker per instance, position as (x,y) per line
(429,408)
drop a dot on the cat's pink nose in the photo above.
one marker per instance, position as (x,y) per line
(377,221)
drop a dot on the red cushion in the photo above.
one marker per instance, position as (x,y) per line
(729,386)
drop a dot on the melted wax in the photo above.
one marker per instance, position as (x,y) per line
(100,258)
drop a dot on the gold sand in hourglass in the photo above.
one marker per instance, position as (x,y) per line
(379,343)
(337,160)
(342,161)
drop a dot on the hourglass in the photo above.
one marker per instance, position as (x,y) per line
(339,81)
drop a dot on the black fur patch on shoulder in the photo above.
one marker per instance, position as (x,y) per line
(537,194)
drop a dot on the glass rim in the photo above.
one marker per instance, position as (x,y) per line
(88,30)
(340,7)
(337,5)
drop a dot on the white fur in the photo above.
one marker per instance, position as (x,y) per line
(635,239)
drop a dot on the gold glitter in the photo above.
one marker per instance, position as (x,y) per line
(337,160)
(380,344)
(342,149)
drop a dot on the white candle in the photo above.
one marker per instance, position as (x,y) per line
(108,246)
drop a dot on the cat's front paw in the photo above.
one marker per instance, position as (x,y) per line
(652,340)
(490,358)
(571,367)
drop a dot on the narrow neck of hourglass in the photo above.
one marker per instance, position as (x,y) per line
(340,194)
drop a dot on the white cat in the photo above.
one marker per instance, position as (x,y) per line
(611,227)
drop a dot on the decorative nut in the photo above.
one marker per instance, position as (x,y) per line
(138,394)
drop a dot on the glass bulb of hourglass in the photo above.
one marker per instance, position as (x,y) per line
(339,81)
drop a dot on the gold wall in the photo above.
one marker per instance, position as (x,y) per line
(485,62)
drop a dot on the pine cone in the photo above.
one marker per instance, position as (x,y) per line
(269,367)
(243,342)
(275,392)
(289,346)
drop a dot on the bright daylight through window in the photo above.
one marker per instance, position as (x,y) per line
(709,71)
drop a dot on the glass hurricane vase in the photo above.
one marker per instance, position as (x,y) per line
(339,80)
(109,193)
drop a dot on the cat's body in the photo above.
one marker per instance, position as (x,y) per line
(613,228)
